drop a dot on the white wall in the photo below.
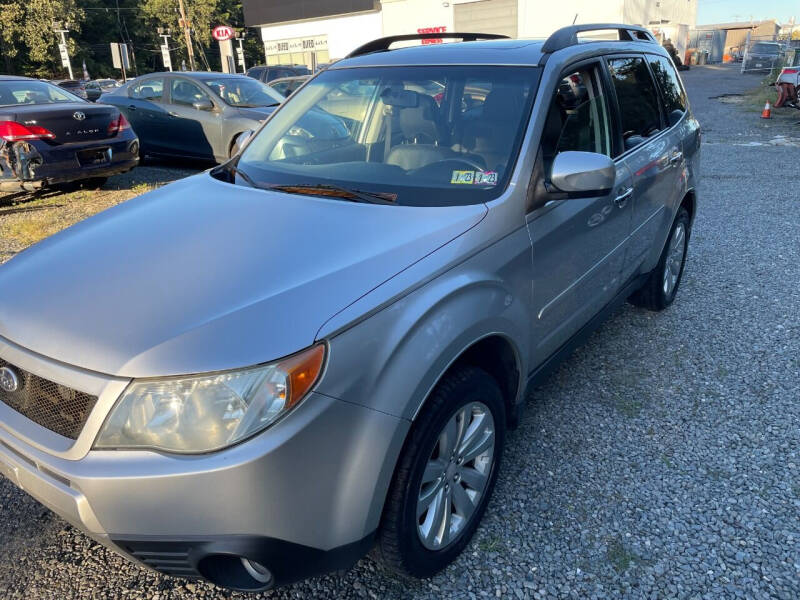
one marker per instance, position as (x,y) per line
(407,16)
(675,11)
(344,33)
(538,18)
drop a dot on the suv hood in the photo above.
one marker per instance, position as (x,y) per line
(203,275)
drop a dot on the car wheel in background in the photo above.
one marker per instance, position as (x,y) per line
(445,475)
(95,183)
(659,291)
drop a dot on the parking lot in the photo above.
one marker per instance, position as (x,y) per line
(662,460)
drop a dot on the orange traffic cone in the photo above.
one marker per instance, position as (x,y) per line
(766,113)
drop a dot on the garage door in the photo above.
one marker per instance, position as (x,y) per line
(487,16)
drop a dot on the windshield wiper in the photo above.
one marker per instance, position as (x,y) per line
(335,191)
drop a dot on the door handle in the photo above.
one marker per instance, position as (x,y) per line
(622,199)
(131,107)
(173,114)
(676,157)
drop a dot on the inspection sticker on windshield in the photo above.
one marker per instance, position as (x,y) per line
(463,177)
(486,177)
(474,177)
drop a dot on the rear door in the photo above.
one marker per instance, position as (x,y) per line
(193,132)
(578,243)
(147,112)
(651,150)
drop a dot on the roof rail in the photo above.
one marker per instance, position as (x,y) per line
(568,36)
(382,44)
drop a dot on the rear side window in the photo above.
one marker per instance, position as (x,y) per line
(637,99)
(255,72)
(150,89)
(671,91)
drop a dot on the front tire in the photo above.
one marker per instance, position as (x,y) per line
(661,286)
(445,475)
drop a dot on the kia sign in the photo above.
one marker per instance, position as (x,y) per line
(222,33)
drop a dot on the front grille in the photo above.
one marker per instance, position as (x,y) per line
(56,407)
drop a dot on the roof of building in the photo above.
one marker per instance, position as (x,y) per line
(739,25)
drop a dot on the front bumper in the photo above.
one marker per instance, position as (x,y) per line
(33,165)
(303,497)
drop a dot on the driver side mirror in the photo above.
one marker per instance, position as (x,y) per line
(204,104)
(583,173)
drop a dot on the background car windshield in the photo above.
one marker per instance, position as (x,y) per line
(431,136)
(244,91)
(33,92)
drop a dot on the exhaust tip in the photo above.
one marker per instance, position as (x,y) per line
(236,572)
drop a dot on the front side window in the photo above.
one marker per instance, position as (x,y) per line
(149,89)
(26,91)
(424,136)
(577,119)
(671,91)
(637,99)
(244,92)
(186,93)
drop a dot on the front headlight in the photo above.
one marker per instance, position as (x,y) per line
(201,413)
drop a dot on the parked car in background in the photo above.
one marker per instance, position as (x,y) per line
(788,87)
(93,90)
(74,86)
(762,56)
(264,370)
(286,85)
(267,73)
(193,114)
(107,85)
(49,136)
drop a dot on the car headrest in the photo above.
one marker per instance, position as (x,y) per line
(419,123)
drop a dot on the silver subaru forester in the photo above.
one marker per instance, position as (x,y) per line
(259,372)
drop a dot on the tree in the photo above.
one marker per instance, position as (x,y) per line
(200,13)
(28,35)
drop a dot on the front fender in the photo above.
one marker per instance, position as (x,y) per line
(391,360)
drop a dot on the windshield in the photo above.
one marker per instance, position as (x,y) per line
(27,91)
(244,92)
(426,136)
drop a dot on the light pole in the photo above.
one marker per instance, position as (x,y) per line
(165,47)
(62,47)
(241,53)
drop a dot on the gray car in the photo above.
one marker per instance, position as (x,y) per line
(193,115)
(260,372)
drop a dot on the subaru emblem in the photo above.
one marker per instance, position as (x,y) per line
(9,380)
(78,115)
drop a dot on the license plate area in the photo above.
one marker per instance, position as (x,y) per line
(94,156)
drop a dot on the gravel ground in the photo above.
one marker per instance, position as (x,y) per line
(661,461)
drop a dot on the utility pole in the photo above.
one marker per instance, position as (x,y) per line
(187,32)
(62,47)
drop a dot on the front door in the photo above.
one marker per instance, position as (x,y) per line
(193,131)
(578,243)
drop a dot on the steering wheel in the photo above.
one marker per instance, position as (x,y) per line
(469,162)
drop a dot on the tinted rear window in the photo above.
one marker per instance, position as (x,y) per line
(33,92)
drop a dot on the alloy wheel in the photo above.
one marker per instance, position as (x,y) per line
(674,261)
(456,476)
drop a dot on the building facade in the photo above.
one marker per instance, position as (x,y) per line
(314,31)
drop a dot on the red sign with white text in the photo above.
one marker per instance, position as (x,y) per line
(440,29)
(222,33)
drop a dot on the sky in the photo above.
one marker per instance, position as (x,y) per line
(723,11)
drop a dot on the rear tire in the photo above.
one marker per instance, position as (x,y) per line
(422,545)
(661,286)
